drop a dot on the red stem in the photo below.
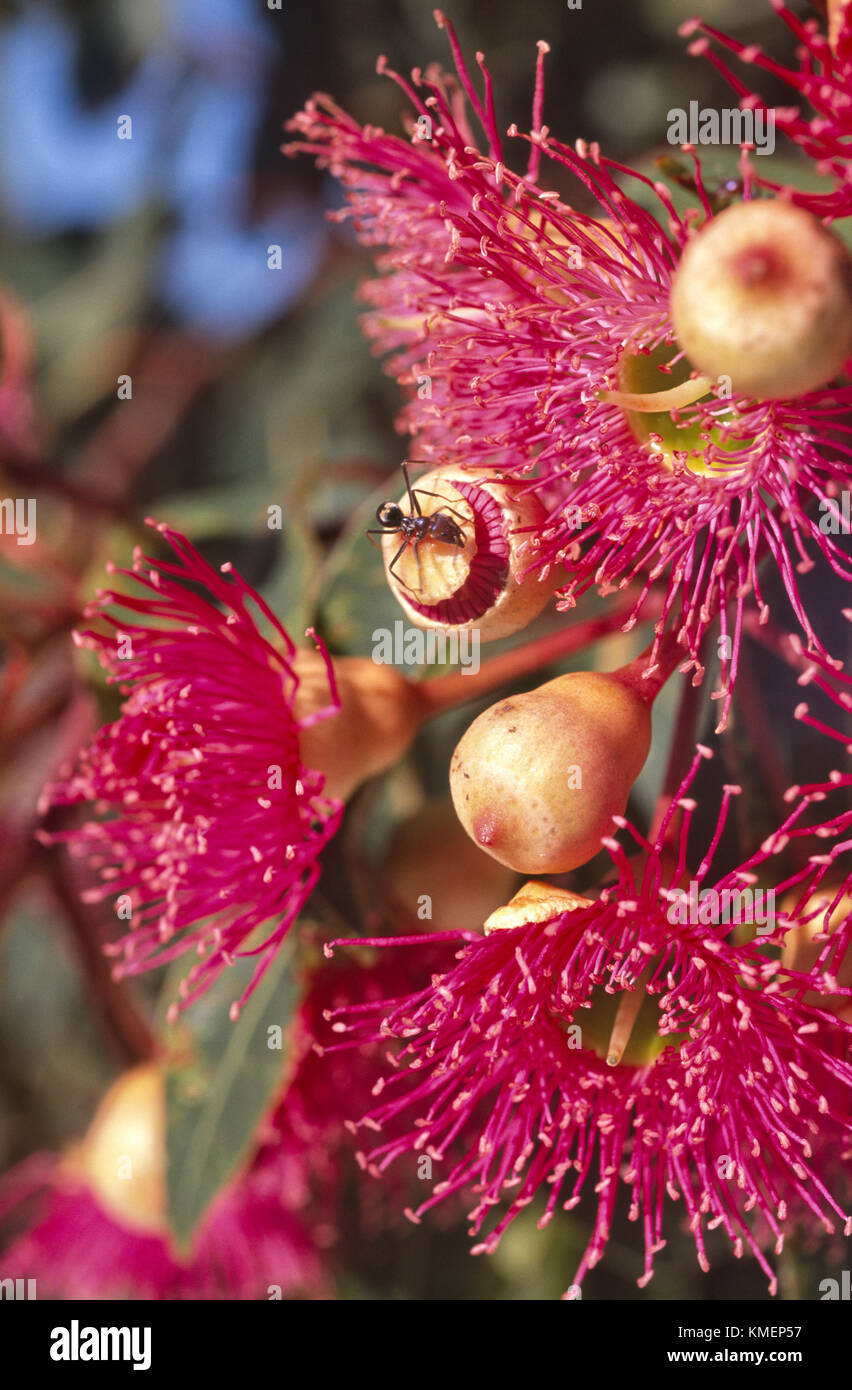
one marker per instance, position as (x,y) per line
(445,692)
(668,656)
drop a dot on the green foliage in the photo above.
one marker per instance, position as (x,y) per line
(221,1083)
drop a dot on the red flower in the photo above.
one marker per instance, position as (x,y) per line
(541,344)
(709,1082)
(216,823)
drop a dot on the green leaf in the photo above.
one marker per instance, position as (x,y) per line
(217,1097)
(225,509)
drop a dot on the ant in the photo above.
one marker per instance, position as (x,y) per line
(415,527)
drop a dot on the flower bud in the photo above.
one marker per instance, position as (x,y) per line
(481,583)
(537,778)
(434,876)
(122,1159)
(763,295)
(380,712)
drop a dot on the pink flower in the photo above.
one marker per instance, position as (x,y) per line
(330,1086)
(823,83)
(93,1236)
(249,1244)
(709,1082)
(215,824)
(527,332)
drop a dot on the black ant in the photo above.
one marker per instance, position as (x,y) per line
(416,528)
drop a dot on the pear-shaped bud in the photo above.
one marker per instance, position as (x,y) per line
(122,1159)
(537,778)
(763,295)
(434,876)
(470,569)
(379,714)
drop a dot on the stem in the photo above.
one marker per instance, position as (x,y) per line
(36,473)
(128,1027)
(646,680)
(445,692)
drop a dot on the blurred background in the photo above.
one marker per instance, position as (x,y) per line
(146,259)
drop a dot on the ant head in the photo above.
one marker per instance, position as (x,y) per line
(390,515)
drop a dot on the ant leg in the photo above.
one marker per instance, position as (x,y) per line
(371,534)
(392,570)
(426,493)
(412,495)
(416,545)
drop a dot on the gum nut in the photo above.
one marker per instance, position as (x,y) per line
(537,778)
(485,583)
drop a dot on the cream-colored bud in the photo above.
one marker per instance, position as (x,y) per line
(763,295)
(122,1159)
(537,778)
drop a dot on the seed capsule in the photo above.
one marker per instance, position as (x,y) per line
(763,295)
(480,583)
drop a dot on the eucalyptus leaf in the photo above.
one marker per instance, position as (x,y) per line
(222,1084)
(237,508)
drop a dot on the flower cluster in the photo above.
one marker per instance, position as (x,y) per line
(618,396)
(549,344)
(588,1045)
